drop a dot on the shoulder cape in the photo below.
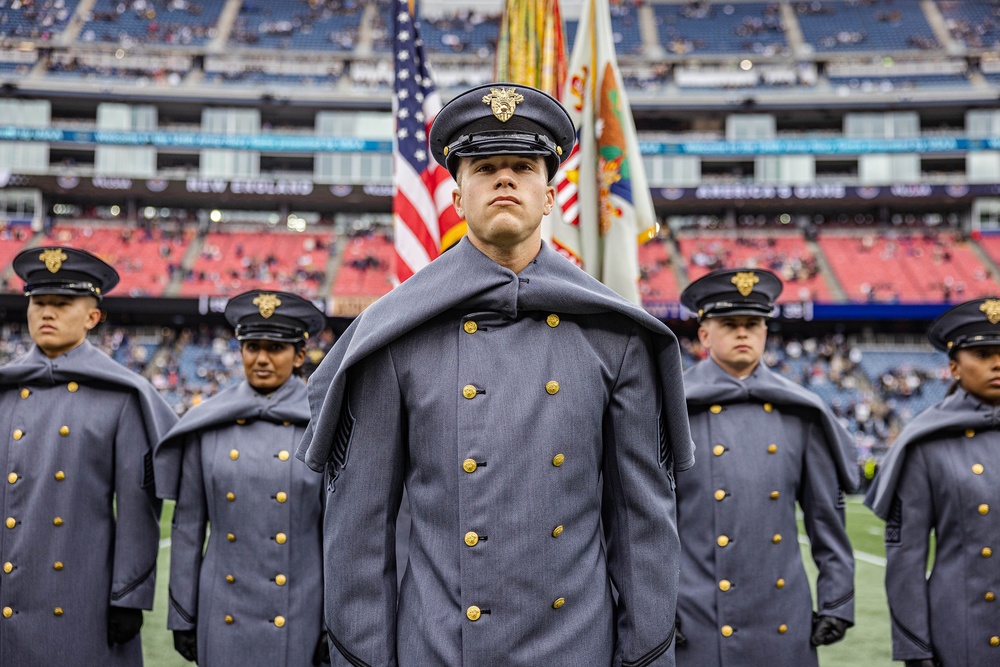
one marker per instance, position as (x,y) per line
(954,414)
(464,277)
(88,363)
(706,383)
(286,403)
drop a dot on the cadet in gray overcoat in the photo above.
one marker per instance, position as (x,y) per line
(81,521)
(769,444)
(500,385)
(943,475)
(255,596)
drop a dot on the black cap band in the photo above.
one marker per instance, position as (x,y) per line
(82,288)
(276,331)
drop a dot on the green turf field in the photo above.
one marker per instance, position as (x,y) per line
(867,644)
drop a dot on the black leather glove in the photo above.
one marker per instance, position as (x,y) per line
(925,662)
(827,630)
(123,624)
(679,639)
(186,643)
(321,656)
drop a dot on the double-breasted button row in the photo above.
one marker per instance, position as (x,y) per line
(279,621)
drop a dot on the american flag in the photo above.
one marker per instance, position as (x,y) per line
(424,218)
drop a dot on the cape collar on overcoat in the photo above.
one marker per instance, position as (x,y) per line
(86,362)
(706,383)
(465,278)
(287,403)
(956,413)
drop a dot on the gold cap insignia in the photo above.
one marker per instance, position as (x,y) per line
(992,309)
(53,258)
(266,303)
(744,281)
(503,101)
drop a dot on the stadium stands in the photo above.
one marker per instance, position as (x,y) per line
(976,24)
(908,268)
(301,25)
(173,22)
(12,240)
(753,28)
(657,280)
(42,20)
(367,267)
(231,262)
(873,25)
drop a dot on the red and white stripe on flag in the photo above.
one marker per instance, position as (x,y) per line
(424,219)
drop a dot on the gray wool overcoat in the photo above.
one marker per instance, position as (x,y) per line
(768,444)
(81,521)
(501,401)
(256,595)
(943,474)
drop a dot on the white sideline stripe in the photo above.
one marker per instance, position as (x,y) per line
(871,559)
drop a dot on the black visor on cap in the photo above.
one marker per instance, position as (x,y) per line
(272,330)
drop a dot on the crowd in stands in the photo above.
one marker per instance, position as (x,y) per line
(298,24)
(34,19)
(178,22)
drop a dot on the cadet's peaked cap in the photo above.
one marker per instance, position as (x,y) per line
(502,119)
(58,270)
(733,292)
(968,324)
(277,316)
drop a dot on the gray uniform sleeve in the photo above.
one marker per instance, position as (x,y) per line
(364,489)
(187,540)
(137,524)
(640,513)
(822,505)
(907,535)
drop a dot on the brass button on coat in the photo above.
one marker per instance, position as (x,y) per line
(231,537)
(64,431)
(473,613)
(230,578)
(18,434)
(552,387)
(25,393)
(776,539)
(471,539)
(11,522)
(720,494)
(775,495)
(469,391)
(469,465)
(12,477)
(241,422)
(726,630)
(234,454)
(725,585)
(60,476)
(283,455)
(772,449)
(990,596)
(782,629)
(230,496)
(722,541)
(470,327)
(558,603)
(58,611)
(986,552)
(7,612)
(718,450)
(286,423)
(72,386)
(57,566)
(552,320)
(280,579)
(976,467)
(558,459)
(279,621)
(57,521)
(557,531)
(984,509)
(8,567)
(994,641)
(970,433)
(780,583)
(768,407)
(715,409)
(229,619)
(281,496)
(280,538)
